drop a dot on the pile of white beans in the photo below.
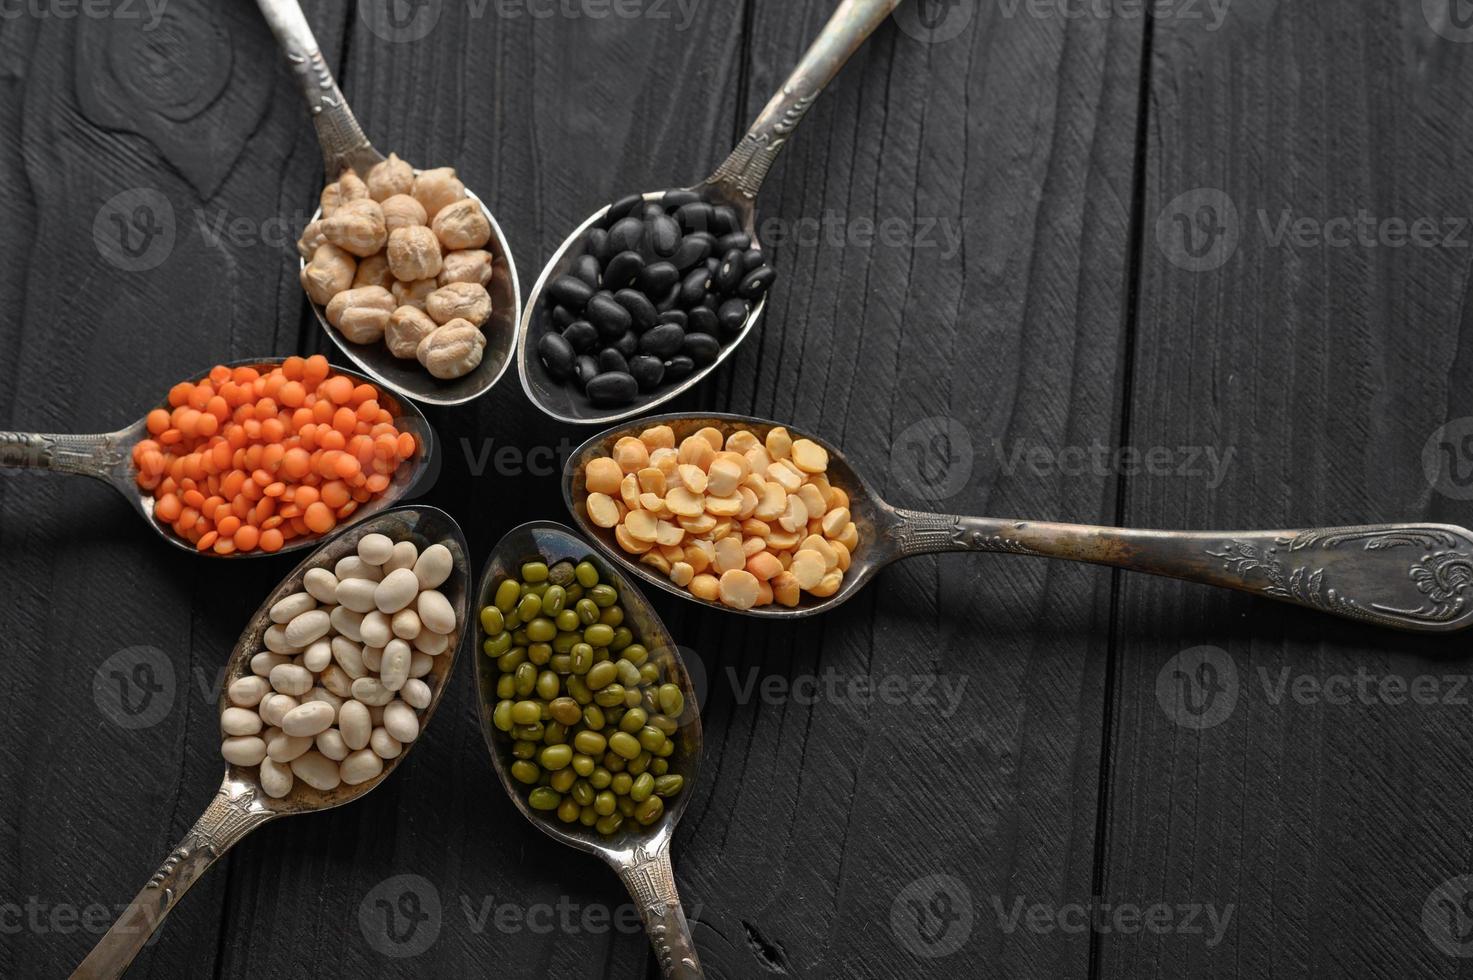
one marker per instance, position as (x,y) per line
(339,687)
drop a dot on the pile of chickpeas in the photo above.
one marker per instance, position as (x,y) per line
(591,716)
(400,258)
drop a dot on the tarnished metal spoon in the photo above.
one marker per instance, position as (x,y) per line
(344,146)
(242,805)
(640,856)
(109,458)
(1416,577)
(735,183)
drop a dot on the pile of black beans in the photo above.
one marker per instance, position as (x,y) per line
(658,288)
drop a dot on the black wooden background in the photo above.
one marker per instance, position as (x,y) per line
(1015,237)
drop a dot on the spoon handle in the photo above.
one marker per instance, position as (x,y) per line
(743,172)
(651,883)
(95,456)
(232,814)
(344,145)
(1406,576)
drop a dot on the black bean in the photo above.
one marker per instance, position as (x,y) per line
(757,282)
(732,315)
(712,302)
(586,369)
(674,316)
(647,371)
(729,273)
(595,242)
(679,198)
(753,258)
(693,250)
(606,314)
(662,235)
(622,270)
(703,320)
(693,287)
(624,236)
(639,307)
(737,239)
(702,348)
(612,388)
(657,278)
(671,299)
(621,209)
(678,368)
(610,359)
(570,291)
(696,216)
(662,341)
(557,355)
(628,345)
(582,335)
(724,220)
(650,210)
(562,317)
(712,264)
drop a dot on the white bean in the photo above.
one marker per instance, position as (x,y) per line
(240,721)
(346,622)
(308,626)
(375,548)
(384,745)
(404,556)
(375,629)
(434,566)
(326,697)
(275,706)
(318,656)
(430,643)
(276,779)
(330,743)
(360,767)
(291,607)
(316,770)
(322,585)
(436,612)
(396,591)
(421,665)
(373,658)
(291,679)
(401,722)
(355,724)
(247,750)
(354,567)
(357,594)
(282,747)
(406,624)
(309,719)
(276,641)
(394,668)
(371,691)
(416,693)
(263,663)
(336,680)
(247,692)
(349,656)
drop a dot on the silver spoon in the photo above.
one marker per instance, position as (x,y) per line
(1413,577)
(242,805)
(344,146)
(109,458)
(735,183)
(640,856)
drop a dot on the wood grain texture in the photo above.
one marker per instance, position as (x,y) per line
(1325,366)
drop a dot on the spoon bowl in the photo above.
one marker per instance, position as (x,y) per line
(640,855)
(241,804)
(109,457)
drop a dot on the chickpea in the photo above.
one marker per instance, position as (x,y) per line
(330,272)
(453,350)
(470,265)
(364,324)
(413,293)
(403,211)
(414,253)
(372,297)
(312,237)
(341,191)
(374,271)
(392,176)
(459,301)
(462,225)
(408,325)
(434,189)
(357,227)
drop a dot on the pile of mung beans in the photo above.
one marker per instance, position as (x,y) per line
(591,716)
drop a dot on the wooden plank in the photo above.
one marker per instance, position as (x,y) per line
(1325,365)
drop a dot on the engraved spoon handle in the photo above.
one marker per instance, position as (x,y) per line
(343,143)
(94,456)
(229,817)
(651,883)
(1406,576)
(743,172)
